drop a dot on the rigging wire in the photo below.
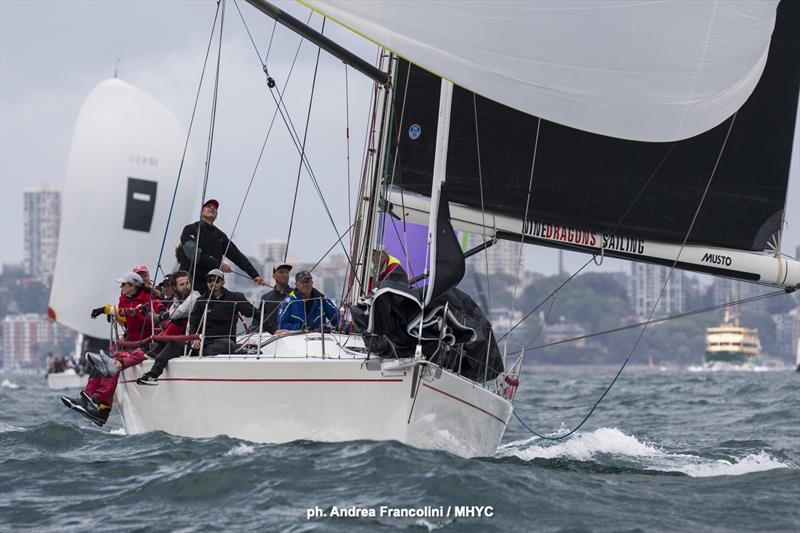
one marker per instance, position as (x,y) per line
(611,231)
(293,135)
(522,238)
(657,320)
(186,145)
(652,310)
(303,147)
(483,230)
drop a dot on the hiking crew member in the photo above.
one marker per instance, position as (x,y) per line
(210,244)
(133,310)
(301,309)
(177,320)
(271,301)
(221,317)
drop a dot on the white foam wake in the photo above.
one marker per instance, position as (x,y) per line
(241,449)
(628,450)
(7,384)
(730,367)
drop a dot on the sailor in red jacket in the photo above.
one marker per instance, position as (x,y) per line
(134,309)
(387,266)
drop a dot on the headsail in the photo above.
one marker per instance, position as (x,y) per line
(651,71)
(123,163)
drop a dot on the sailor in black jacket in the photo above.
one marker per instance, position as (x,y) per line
(210,244)
(221,308)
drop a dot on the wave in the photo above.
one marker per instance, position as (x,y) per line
(731,367)
(8,384)
(611,449)
(240,450)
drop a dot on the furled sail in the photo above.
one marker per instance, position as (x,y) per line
(123,163)
(591,192)
(648,71)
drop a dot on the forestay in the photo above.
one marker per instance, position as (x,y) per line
(647,71)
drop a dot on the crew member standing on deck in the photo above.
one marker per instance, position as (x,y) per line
(209,245)
(271,301)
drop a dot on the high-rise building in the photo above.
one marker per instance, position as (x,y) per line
(787,331)
(271,251)
(42,216)
(645,286)
(24,336)
(501,258)
(727,290)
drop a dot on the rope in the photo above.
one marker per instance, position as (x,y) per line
(652,310)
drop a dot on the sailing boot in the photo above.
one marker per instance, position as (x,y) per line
(97,413)
(74,403)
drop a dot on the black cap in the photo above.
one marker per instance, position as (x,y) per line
(302,276)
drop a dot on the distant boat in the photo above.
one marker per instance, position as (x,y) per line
(731,342)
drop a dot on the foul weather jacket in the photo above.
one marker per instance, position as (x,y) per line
(222,316)
(212,244)
(296,314)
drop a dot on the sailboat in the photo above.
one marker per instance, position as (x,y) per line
(564,125)
(126,150)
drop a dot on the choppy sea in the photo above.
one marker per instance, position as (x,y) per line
(668,450)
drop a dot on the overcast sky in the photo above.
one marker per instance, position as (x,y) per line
(52,53)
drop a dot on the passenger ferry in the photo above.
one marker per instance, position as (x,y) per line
(730,342)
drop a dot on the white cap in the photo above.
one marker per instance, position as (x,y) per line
(131,277)
(215,272)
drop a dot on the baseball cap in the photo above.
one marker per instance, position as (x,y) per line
(281,265)
(215,203)
(141,268)
(302,276)
(131,277)
(215,273)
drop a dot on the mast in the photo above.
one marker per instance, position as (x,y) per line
(374,174)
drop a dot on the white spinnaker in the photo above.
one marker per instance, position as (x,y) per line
(641,70)
(123,163)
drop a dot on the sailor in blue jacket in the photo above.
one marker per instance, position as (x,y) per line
(301,309)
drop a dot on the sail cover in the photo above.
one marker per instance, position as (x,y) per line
(586,181)
(123,163)
(648,71)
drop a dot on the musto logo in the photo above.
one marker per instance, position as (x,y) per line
(717,259)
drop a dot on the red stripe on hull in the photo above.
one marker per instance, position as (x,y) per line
(484,411)
(278,380)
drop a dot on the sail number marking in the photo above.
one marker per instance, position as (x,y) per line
(139,159)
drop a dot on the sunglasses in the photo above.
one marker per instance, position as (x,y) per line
(213,280)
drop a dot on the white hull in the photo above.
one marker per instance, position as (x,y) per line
(293,397)
(66,380)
